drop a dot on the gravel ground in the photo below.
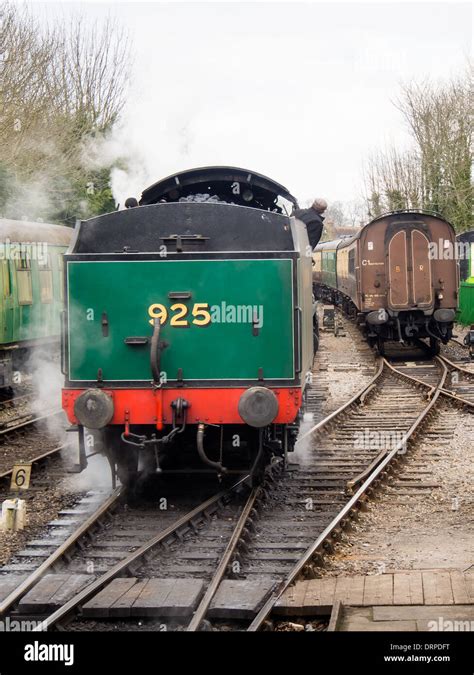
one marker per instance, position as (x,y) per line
(9,412)
(300,624)
(433,528)
(460,331)
(345,363)
(42,505)
(52,489)
(34,442)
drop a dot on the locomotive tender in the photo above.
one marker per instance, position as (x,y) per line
(188,330)
(398,275)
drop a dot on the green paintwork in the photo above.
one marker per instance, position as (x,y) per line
(466,302)
(328,264)
(38,320)
(219,351)
(465,314)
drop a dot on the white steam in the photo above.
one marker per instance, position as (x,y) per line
(47,381)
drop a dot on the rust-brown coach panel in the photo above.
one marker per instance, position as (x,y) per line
(400,275)
(373,292)
(445,274)
(407,264)
(397,268)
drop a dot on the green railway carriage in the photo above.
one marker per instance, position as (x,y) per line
(465,314)
(325,263)
(189,315)
(31,291)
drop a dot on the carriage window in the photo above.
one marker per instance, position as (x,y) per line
(352,261)
(7,287)
(46,279)
(23,280)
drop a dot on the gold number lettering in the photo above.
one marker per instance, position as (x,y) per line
(201,309)
(158,312)
(200,312)
(182,311)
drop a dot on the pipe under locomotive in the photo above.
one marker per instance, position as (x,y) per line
(398,276)
(188,331)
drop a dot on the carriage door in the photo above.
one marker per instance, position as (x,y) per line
(397,271)
(421,269)
(7,302)
(409,269)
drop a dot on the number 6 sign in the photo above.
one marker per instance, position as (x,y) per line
(20,477)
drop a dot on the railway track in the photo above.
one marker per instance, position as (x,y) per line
(273,534)
(36,460)
(24,441)
(264,537)
(15,401)
(25,420)
(100,537)
(459,383)
(18,408)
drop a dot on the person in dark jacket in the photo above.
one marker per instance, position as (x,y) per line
(313,219)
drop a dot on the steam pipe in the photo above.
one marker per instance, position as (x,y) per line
(202,455)
(430,333)
(155,352)
(400,339)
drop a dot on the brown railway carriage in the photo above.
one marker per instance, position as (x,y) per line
(398,274)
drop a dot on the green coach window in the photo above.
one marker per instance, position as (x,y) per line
(7,287)
(46,280)
(23,279)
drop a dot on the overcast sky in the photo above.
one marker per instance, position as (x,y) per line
(300,92)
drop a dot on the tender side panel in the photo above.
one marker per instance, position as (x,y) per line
(112,301)
(305,296)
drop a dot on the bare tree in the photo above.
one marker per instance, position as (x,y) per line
(91,70)
(344,218)
(393,180)
(440,120)
(59,87)
(435,173)
(25,71)
(356,213)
